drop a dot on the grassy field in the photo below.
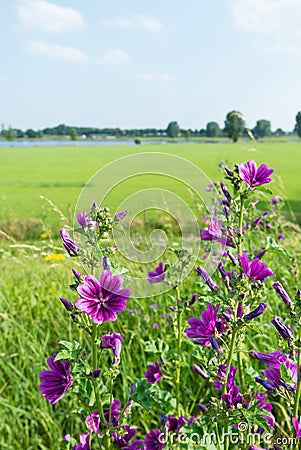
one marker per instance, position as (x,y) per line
(60,173)
(33,321)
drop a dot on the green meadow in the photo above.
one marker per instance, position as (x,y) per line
(32,319)
(60,173)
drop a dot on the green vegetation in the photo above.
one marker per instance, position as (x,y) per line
(61,173)
(32,280)
(234,125)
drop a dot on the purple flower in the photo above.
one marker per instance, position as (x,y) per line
(175,424)
(113,341)
(280,236)
(158,275)
(152,440)
(282,292)
(208,280)
(210,326)
(68,242)
(232,258)
(193,299)
(233,397)
(84,442)
(102,299)
(199,371)
(123,441)
(265,384)
(93,420)
(153,374)
(257,221)
(68,305)
(225,191)
(276,200)
(215,233)
(77,274)
(273,360)
(285,331)
(83,219)
(122,214)
(297,425)
(254,176)
(56,381)
(256,312)
(255,269)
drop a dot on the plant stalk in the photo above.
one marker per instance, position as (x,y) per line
(179,345)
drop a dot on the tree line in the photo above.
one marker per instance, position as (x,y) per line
(234,128)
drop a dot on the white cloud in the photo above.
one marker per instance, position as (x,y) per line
(135,21)
(153,77)
(49,17)
(277,20)
(115,56)
(56,51)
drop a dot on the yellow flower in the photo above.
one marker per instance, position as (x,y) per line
(56,257)
(43,236)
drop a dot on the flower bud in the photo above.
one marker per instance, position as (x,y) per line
(282,329)
(282,292)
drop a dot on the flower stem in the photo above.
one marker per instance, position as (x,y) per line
(179,345)
(240,224)
(95,382)
(298,390)
(240,370)
(239,250)
(231,351)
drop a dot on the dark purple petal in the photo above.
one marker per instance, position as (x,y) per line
(56,381)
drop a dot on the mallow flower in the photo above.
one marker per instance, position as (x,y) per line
(208,327)
(113,341)
(153,374)
(255,269)
(56,381)
(254,176)
(153,441)
(68,242)
(84,442)
(158,275)
(102,299)
(93,420)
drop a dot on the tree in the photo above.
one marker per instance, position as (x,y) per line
(10,134)
(279,132)
(212,130)
(262,128)
(173,129)
(298,124)
(234,125)
(30,133)
(73,134)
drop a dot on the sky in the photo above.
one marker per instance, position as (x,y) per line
(144,63)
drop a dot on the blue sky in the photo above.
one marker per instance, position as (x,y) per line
(135,63)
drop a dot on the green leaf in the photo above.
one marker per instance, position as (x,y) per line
(63,354)
(147,395)
(264,189)
(274,247)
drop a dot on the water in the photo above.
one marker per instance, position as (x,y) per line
(80,143)
(104,142)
